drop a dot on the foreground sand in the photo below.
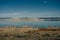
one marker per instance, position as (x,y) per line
(29,33)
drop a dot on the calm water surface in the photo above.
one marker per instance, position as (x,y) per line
(41,24)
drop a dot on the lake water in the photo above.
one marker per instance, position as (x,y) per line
(41,24)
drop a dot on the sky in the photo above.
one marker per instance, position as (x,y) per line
(29,8)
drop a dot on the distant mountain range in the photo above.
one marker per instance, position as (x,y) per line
(36,19)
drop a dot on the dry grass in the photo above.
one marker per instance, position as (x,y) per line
(27,34)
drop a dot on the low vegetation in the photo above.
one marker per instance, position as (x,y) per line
(30,35)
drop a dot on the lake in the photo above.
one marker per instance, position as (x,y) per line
(40,24)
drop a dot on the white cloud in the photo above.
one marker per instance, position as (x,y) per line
(29,14)
(15,14)
(10,14)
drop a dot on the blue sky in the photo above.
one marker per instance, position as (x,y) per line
(29,8)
